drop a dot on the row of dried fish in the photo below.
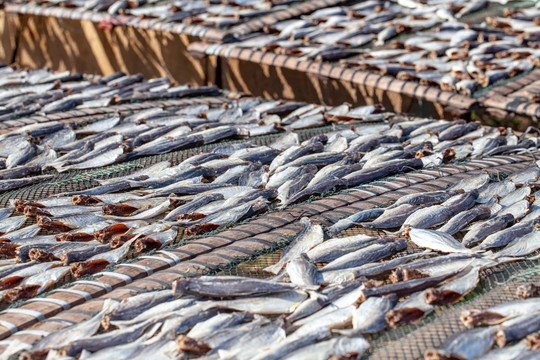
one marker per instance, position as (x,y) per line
(514,322)
(456,56)
(42,92)
(320,316)
(485,214)
(33,148)
(210,13)
(226,185)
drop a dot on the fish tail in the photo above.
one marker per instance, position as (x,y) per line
(109,305)
(274,269)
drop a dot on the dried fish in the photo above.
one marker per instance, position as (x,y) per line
(466,345)
(365,255)
(517,328)
(355,219)
(436,240)
(310,236)
(480,231)
(370,315)
(333,248)
(227,286)
(411,309)
(461,220)
(280,303)
(500,313)
(393,217)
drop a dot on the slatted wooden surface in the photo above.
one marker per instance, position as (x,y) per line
(520,96)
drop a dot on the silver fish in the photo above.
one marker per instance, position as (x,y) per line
(293,172)
(480,231)
(355,219)
(229,336)
(193,205)
(365,255)
(59,138)
(393,217)
(501,189)
(99,126)
(505,236)
(466,345)
(145,215)
(471,183)
(333,248)
(507,352)
(409,310)
(434,197)
(310,236)
(66,223)
(515,196)
(133,306)
(141,174)
(107,158)
(436,240)
(109,339)
(125,351)
(100,261)
(280,303)
(37,284)
(517,328)
(518,209)
(11,184)
(454,290)
(500,313)
(319,159)
(250,344)
(301,272)
(336,319)
(225,286)
(461,220)
(262,154)
(461,202)
(522,246)
(179,306)
(368,270)
(233,175)
(293,153)
(218,322)
(11,223)
(428,217)
(370,315)
(292,187)
(522,176)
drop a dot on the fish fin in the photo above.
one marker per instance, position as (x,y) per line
(85,354)
(274,269)
(393,233)
(282,322)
